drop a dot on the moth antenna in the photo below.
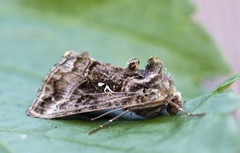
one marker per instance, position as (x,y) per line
(105,114)
(109,121)
(185,112)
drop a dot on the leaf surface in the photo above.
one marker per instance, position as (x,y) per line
(35,34)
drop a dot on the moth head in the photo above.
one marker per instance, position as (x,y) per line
(177,99)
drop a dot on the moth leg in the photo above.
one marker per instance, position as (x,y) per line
(109,121)
(105,114)
(183,111)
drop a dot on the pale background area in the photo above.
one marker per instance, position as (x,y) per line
(221,19)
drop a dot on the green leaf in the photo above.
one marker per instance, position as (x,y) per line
(35,34)
(227,83)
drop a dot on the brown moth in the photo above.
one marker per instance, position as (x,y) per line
(80,84)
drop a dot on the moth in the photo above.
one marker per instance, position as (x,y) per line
(79,84)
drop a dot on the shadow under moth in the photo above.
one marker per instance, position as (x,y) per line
(80,84)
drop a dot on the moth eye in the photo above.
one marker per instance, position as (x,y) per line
(177,101)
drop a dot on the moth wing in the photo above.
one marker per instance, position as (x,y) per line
(96,102)
(60,82)
(67,90)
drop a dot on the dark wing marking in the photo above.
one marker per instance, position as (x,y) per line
(114,100)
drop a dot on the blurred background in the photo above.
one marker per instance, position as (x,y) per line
(221,19)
